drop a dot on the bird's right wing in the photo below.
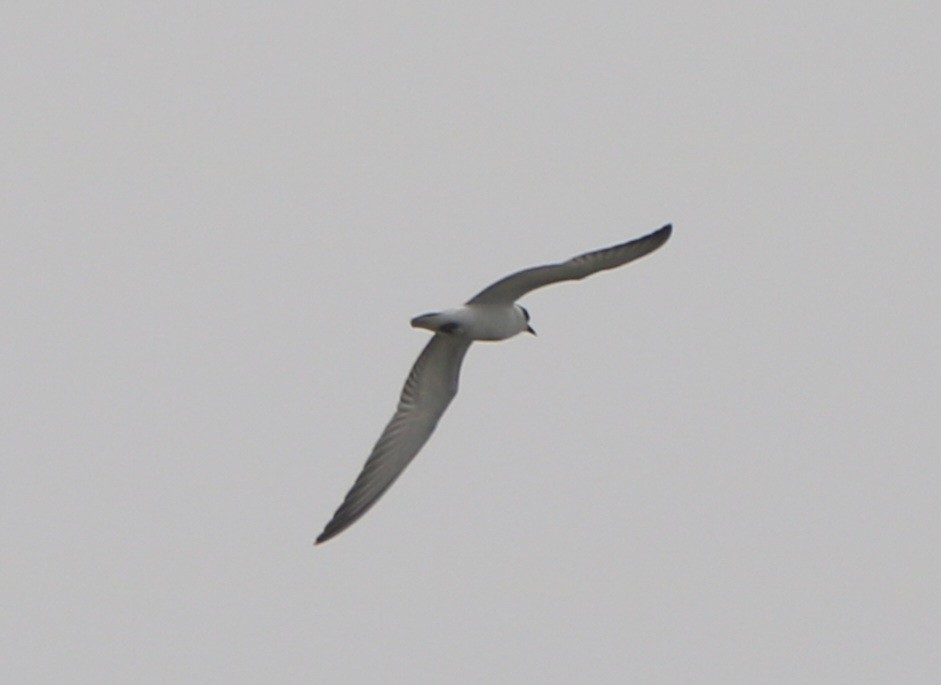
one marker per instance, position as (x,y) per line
(429,389)
(514,286)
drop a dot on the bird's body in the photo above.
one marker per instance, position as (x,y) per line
(491,315)
(485,322)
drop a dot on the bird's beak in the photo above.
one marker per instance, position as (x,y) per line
(529,329)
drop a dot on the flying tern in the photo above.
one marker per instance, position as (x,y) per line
(492,314)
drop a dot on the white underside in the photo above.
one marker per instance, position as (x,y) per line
(478,321)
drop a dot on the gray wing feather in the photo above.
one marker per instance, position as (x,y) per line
(429,389)
(513,287)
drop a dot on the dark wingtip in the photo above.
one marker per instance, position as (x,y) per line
(652,241)
(658,237)
(330,530)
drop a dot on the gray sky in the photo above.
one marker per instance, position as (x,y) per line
(717,465)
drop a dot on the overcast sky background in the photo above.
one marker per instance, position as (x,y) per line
(719,464)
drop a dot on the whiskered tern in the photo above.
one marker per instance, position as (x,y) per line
(492,314)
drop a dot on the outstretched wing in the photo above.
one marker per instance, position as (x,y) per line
(429,389)
(513,287)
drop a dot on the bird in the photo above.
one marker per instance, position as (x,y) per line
(491,315)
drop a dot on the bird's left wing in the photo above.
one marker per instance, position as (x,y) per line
(429,389)
(514,286)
